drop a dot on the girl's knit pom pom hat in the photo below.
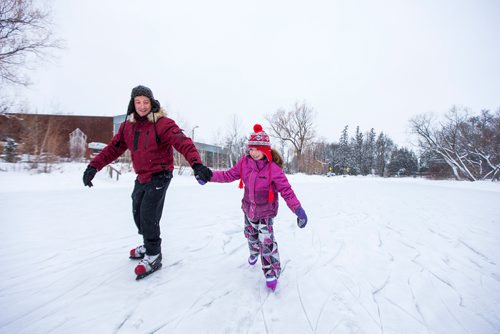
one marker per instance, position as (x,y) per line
(260,140)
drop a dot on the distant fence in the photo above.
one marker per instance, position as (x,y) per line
(113,171)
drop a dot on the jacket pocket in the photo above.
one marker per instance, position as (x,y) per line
(261,197)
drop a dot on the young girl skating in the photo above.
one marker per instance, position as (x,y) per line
(260,173)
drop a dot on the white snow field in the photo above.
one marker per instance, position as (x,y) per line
(378,256)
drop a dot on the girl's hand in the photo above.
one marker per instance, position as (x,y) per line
(301,217)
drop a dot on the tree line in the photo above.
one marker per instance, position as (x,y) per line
(295,137)
(363,153)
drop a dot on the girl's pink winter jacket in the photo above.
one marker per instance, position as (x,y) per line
(255,176)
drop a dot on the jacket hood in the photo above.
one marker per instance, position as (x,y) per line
(153,117)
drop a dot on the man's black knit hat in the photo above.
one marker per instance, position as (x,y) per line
(142,91)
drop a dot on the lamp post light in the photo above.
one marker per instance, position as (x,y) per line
(192,132)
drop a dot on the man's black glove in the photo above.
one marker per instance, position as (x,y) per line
(88,175)
(202,173)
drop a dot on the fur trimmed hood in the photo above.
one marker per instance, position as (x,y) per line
(152,117)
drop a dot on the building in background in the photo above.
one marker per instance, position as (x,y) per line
(49,135)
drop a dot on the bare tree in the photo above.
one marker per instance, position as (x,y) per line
(234,141)
(430,139)
(452,139)
(24,33)
(295,127)
(316,158)
(480,138)
(469,145)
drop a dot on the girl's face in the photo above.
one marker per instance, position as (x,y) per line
(256,154)
(142,105)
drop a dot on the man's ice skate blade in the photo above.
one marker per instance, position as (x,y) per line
(148,265)
(141,276)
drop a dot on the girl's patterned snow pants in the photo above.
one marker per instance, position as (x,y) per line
(261,242)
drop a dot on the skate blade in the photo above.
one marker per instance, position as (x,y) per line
(141,276)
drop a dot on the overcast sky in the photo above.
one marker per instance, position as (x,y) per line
(367,63)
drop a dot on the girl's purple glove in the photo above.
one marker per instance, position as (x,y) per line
(202,173)
(301,217)
(200,181)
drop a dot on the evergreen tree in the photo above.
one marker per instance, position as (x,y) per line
(403,162)
(383,148)
(10,150)
(357,149)
(344,152)
(369,153)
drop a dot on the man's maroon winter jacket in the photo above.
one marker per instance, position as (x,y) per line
(148,156)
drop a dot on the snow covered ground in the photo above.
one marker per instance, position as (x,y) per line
(378,256)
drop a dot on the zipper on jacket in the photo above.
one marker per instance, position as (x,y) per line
(146,141)
(136,139)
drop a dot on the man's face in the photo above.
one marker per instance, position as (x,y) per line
(142,105)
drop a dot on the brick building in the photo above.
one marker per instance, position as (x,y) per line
(50,134)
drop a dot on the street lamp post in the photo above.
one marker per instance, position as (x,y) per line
(192,132)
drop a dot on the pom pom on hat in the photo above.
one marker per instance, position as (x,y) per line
(257,128)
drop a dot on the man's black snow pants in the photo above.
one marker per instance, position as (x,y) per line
(147,207)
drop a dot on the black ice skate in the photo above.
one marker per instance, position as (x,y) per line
(147,266)
(137,253)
